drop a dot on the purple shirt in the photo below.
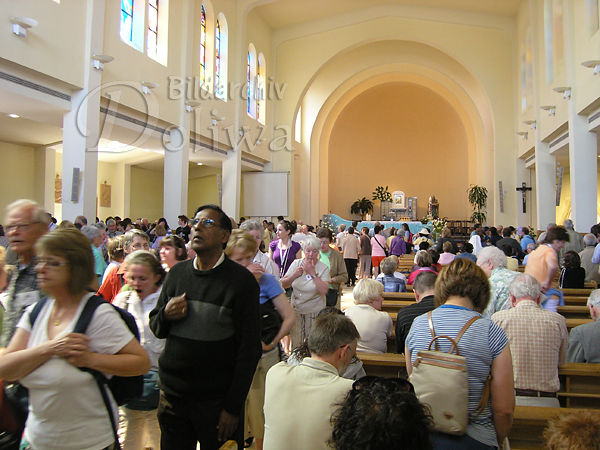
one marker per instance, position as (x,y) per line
(287,256)
(398,246)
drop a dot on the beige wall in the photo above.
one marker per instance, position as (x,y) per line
(404,136)
(563,211)
(201,191)
(16,175)
(146,193)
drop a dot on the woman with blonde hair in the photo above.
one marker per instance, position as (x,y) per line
(277,318)
(373,325)
(66,409)
(144,276)
(160,231)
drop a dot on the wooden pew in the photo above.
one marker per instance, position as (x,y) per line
(580,382)
(571,323)
(529,424)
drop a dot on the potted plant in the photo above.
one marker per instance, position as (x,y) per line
(361,206)
(385,197)
(478,199)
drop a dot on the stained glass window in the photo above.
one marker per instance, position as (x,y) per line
(203,45)
(258,93)
(126,29)
(152,28)
(248,85)
(218,63)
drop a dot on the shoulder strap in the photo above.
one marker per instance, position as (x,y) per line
(379,243)
(80,327)
(35,312)
(430,321)
(464,328)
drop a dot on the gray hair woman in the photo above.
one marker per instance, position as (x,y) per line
(309,279)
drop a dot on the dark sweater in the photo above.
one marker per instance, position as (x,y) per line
(405,319)
(212,353)
(572,278)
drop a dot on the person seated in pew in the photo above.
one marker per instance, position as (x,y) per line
(576,430)
(396,261)
(424,289)
(584,340)
(424,264)
(373,325)
(538,343)
(572,275)
(381,413)
(493,262)
(512,263)
(592,271)
(299,400)
(448,254)
(390,282)
(530,248)
(466,251)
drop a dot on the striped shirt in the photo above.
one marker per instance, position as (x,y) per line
(480,344)
(538,344)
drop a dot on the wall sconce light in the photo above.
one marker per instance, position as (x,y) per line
(592,64)
(20,25)
(564,90)
(215,119)
(147,86)
(100,60)
(550,109)
(190,105)
(260,141)
(530,123)
(523,134)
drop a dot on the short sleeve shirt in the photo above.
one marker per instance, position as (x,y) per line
(269,288)
(66,410)
(306,299)
(480,344)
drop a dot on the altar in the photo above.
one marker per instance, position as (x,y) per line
(336,221)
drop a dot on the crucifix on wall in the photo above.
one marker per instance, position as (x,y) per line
(524,188)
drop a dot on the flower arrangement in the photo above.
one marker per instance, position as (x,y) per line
(439,224)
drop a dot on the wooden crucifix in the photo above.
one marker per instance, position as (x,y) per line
(524,188)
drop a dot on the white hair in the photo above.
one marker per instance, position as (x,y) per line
(568,224)
(367,290)
(311,241)
(90,232)
(525,286)
(590,240)
(251,225)
(37,212)
(594,298)
(492,254)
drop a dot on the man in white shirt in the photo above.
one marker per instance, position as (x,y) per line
(299,400)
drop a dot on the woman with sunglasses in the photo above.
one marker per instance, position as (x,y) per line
(66,410)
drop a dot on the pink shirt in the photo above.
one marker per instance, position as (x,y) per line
(376,249)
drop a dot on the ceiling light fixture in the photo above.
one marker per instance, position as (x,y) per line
(564,90)
(550,109)
(592,64)
(147,86)
(530,123)
(523,134)
(13,116)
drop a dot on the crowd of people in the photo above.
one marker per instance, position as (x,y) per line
(240,330)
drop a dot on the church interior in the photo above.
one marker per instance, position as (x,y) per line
(149,108)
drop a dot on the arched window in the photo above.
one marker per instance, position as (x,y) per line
(152,41)
(251,81)
(221,54)
(261,73)
(202,45)
(126,29)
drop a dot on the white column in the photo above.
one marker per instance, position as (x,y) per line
(583,162)
(81,127)
(545,182)
(231,176)
(176,173)
(49,179)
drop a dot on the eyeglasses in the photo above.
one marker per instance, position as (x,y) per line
(52,263)
(19,226)
(206,223)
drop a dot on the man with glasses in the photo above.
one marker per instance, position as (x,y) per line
(208,312)
(26,222)
(299,400)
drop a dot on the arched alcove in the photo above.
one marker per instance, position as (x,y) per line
(402,135)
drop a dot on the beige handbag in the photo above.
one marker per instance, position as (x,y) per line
(440,381)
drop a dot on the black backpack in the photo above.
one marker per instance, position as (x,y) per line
(123,389)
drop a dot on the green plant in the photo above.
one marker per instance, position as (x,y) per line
(478,199)
(383,194)
(362,206)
